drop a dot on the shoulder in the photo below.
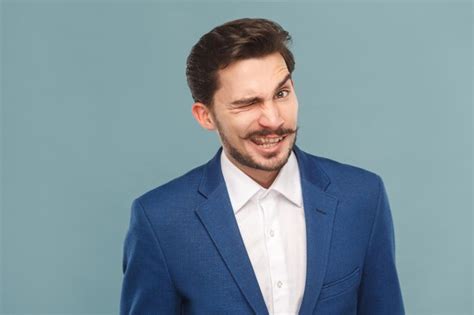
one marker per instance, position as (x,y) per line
(340,171)
(347,180)
(180,192)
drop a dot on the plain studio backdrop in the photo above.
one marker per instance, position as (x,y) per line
(95,111)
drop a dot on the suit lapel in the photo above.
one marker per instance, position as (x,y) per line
(218,219)
(320,209)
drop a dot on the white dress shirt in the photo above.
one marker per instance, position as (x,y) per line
(272,225)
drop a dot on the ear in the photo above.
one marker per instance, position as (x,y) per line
(203,116)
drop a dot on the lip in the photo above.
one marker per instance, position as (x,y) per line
(271,149)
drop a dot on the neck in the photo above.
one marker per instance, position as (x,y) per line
(263,178)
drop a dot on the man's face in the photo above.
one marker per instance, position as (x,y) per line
(255,112)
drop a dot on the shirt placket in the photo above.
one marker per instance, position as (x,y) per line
(275,252)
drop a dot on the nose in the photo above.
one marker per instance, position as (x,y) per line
(270,116)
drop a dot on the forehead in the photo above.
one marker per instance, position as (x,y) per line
(250,77)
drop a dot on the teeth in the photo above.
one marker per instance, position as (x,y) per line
(267,145)
(263,141)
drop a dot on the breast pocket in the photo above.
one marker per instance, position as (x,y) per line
(340,286)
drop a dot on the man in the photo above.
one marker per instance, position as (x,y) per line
(263,227)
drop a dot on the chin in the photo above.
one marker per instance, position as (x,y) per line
(273,163)
(268,159)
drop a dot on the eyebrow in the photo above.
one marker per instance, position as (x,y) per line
(244,101)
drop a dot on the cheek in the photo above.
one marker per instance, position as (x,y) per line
(245,122)
(294,110)
(290,113)
(234,130)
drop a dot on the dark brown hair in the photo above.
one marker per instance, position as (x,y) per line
(230,42)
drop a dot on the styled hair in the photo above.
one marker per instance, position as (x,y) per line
(232,41)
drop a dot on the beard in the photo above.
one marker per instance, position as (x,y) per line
(245,159)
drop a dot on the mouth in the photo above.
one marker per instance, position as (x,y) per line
(268,143)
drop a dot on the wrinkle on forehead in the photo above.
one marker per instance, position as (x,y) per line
(250,77)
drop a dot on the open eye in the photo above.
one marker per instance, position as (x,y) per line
(282,93)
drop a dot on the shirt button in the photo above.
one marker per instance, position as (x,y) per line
(272,233)
(279,284)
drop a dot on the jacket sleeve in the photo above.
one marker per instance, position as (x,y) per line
(379,291)
(147,287)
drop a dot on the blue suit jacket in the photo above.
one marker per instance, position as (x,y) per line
(183,252)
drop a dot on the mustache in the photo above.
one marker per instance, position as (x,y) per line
(266,132)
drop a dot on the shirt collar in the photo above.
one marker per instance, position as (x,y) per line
(242,188)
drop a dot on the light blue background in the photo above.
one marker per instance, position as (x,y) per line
(95,111)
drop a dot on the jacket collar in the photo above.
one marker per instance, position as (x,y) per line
(309,171)
(242,188)
(218,219)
